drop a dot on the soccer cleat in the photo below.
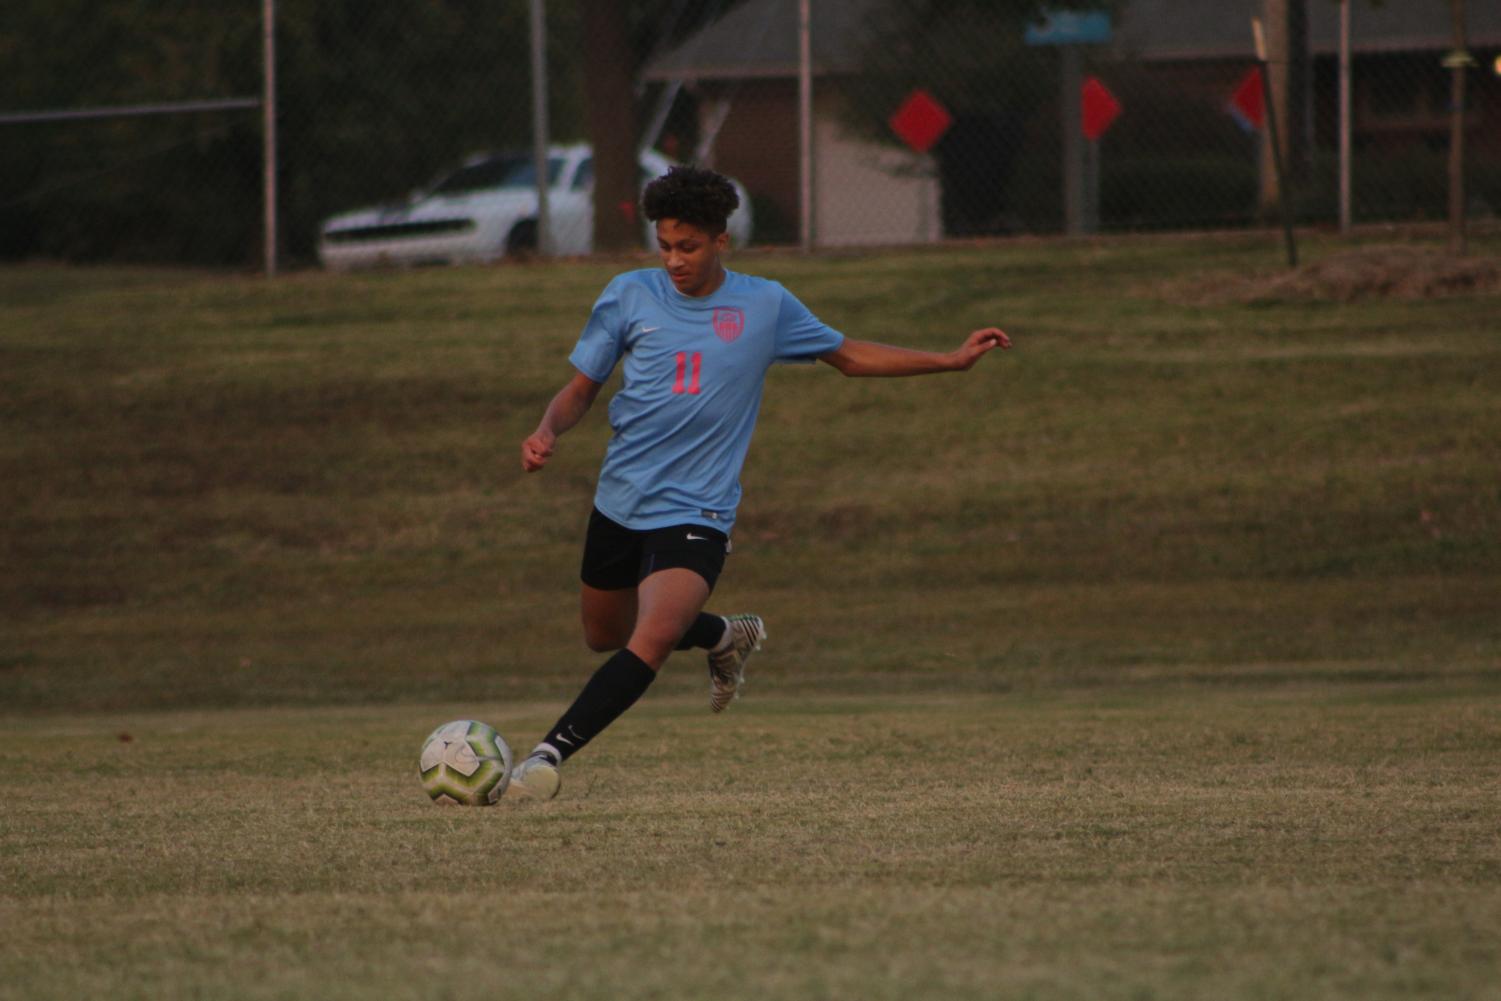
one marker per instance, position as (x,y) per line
(727,666)
(535,778)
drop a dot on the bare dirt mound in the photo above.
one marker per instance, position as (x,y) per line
(1385,272)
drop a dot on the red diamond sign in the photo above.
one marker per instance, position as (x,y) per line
(921,121)
(1247,104)
(1100,108)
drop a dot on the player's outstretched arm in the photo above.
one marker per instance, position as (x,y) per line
(867,358)
(566,409)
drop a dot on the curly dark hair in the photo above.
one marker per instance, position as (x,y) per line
(698,197)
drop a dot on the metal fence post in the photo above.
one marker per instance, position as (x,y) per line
(268,144)
(540,138)
(805,122)
(1344,117)
(1457,62)
(1073,141)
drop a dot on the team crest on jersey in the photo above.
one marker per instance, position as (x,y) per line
(729,321)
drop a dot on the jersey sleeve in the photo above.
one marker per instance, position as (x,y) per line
(603,340)
(801,336)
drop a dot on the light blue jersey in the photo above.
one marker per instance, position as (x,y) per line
(694,369)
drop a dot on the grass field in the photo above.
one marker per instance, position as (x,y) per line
(1312,841)
(1158,658)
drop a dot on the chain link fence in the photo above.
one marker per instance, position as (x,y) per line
(93,164)
(101,161)
(950,119)
(928,119)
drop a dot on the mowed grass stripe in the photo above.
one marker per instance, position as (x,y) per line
(225,490)
(1323,839)
(1057,942)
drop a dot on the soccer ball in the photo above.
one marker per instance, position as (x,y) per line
(465,762)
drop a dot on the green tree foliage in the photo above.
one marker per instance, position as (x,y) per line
(378,98)
(375,98)
(67,187)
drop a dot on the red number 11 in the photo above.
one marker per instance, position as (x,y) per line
(698,362)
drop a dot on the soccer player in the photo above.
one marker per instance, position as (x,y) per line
(696,340)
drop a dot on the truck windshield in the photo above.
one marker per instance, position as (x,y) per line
(497,172)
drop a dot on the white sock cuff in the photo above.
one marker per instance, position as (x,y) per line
(727,640)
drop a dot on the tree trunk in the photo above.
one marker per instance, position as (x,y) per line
(609,94)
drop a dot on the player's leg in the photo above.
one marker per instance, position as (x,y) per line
(610,570)
(677,570)
(729,639)
(607,607)
(668,602)
(614,557)
(609,616)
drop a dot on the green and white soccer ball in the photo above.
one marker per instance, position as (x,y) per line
(466,763)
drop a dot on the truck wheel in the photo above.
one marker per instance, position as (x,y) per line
(522,240)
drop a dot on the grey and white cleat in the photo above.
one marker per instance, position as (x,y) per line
(535,778)
(727,665)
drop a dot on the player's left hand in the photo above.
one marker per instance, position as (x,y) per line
(977,344)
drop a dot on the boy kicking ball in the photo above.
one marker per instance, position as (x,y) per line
(696,341)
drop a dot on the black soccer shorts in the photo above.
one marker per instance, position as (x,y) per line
(617,557)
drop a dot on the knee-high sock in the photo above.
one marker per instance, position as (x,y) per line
(707,631)
(612,690)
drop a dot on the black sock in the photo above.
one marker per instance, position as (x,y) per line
(707,630)
(614,688)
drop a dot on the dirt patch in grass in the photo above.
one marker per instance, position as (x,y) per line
(1381,272)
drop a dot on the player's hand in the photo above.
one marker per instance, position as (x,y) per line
(536,450)
(977,344)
